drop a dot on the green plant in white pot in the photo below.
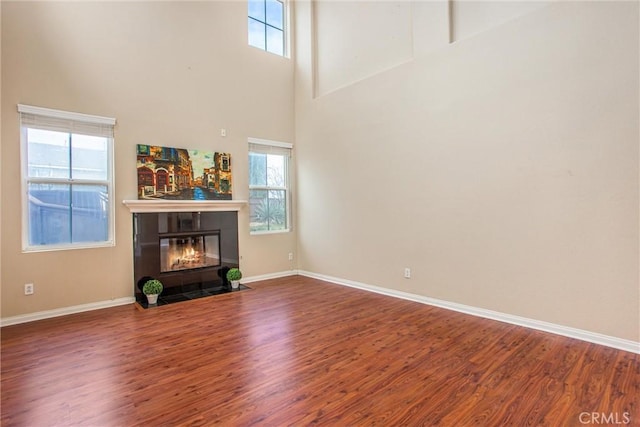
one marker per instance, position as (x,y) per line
(234,275)
(152,288)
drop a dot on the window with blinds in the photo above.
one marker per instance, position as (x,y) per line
(269,189)
(67,179)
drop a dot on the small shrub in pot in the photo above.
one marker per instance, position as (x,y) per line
(234,275)
(152,288)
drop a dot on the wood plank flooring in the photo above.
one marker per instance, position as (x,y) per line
(298,351)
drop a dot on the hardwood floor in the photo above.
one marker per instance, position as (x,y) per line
(298,351)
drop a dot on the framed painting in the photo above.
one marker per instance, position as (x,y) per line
(182,174)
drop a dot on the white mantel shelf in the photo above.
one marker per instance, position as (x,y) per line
(147,206)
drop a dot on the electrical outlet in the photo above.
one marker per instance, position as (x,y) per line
(407,273)
(290,256)
(28,289)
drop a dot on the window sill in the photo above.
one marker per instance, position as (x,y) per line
(52,248)
(261,233)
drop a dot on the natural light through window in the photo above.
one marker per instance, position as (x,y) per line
(266,24)
(67,177)
(269,186)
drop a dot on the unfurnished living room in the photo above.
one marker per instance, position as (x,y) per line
(320,212)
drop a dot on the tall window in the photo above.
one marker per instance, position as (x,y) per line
(67,178)
(266,25)
(269,198)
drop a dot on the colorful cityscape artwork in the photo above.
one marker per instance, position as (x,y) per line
(181,174)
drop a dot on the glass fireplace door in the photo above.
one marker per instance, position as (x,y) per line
(189,251)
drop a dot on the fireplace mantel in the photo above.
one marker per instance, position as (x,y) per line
(146,206)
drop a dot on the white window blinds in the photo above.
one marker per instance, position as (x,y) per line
(64,121)
(270,147)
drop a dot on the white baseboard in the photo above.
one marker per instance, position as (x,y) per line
(609,341)
(47,314)
(592,337)
(269,276)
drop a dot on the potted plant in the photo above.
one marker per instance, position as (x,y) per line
(152,288)
(234,275)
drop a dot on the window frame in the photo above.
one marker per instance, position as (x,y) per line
(82,120)
(285,28)
(287,188)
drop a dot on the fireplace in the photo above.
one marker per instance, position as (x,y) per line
(189,252)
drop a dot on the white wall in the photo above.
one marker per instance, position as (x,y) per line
(172,74)
(469,18)
(379,38)
(502,168)
(353,40)
(0,159)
